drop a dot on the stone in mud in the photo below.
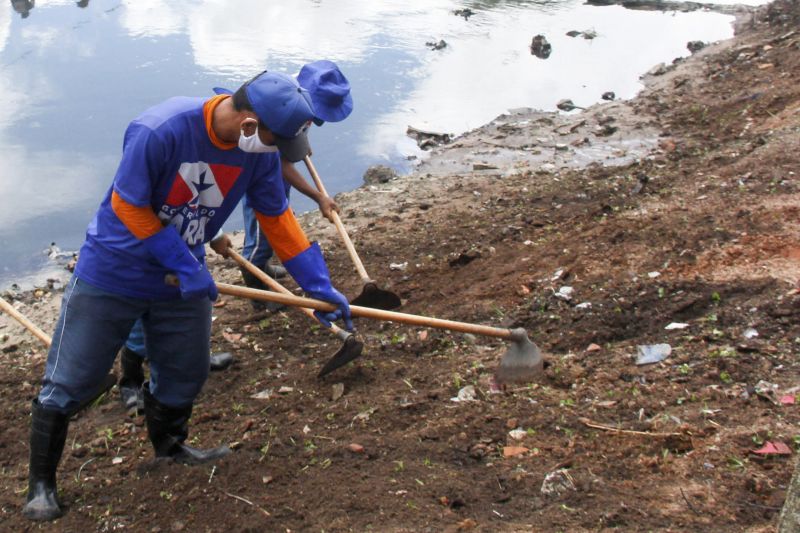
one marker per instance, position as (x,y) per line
(540,47)
(379,174)
(608,95)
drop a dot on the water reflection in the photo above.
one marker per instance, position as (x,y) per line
(72,79)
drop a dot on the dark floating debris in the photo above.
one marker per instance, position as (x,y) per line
(540,47)
(608,95)
(587,34)
(433,45)
(466,13)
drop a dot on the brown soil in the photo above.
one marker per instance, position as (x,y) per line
(716,218)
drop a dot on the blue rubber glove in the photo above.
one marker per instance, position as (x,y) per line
(170,250)
(310,272)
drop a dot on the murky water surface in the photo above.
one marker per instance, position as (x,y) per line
(73,74)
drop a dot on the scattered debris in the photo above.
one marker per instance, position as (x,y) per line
(514,451)
(434,45)
(773,448)
(265,394)
(398,266)
(466,394)
(676,325)
(565,293)
(652,353)
(557,483)
(337,391)
(355,447)
(379,174)
(768,391)
(518,434)
(428,139)
(466,13)
(750,333)
(695,46)
(567,105)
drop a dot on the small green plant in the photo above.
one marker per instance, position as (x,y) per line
(399,466)
(715,297)
(237,407)
(725,377)
(457,380)
(398,338)
(166,495)
(427,462)
(735,462)
(567,402)
(661,292)
(685,369)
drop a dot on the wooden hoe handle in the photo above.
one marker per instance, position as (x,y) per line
(366,312)
(30,326)
(362,272)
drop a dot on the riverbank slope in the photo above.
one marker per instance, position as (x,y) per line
(670,219)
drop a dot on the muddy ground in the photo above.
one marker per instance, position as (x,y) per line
(686,213)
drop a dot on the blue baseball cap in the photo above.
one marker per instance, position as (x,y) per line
(286,109)
(329,90)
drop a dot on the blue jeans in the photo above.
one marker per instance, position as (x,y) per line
(135,342)
(256,246)
(94,324)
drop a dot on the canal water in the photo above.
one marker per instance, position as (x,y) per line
(74,73)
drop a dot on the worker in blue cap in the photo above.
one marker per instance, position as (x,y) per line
(186,163)
(329,91)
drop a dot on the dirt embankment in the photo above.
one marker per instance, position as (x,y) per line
(688,218)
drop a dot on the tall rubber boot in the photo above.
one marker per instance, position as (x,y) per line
(48,435)
(254,283)
(168,428)
(130,384)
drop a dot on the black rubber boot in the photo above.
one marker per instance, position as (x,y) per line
(130,384)
(254,283)
(220,361)
(48,435)
(168,428)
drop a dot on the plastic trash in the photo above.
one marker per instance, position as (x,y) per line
(652,353)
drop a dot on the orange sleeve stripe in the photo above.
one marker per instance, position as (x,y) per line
(284,233)
(141,221)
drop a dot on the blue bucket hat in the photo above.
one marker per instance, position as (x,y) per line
(286,109)
(329,90)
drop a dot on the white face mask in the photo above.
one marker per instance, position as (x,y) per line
(253,144)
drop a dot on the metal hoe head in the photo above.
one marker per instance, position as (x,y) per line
(351,349)
(372,296)
(522,362)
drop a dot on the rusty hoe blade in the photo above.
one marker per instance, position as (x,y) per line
(372,296)
(522,362)
(351,349)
